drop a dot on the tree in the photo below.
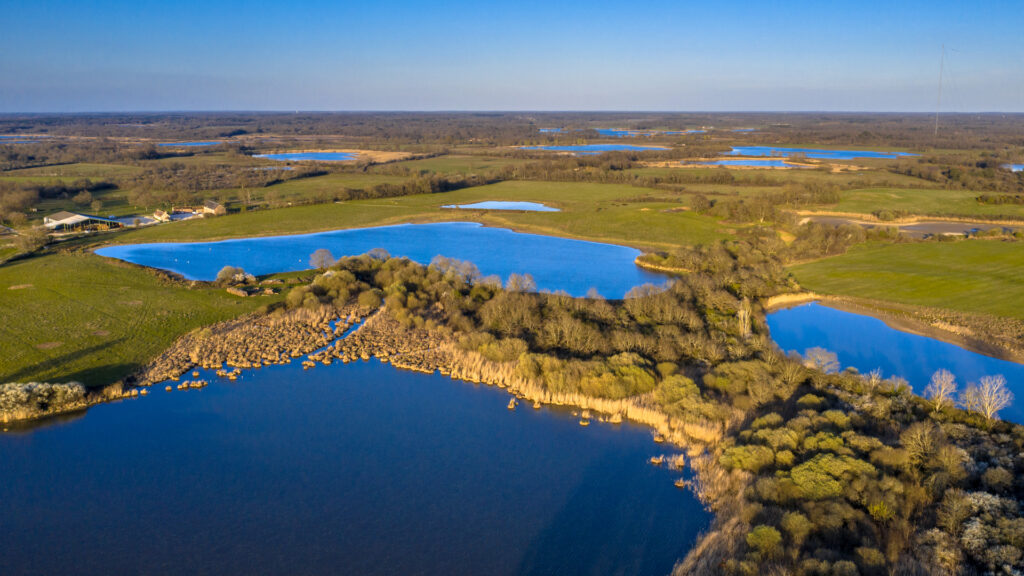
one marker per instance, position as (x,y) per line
(96,206)
(32,239)
(82,198)
(517,283)
(821,359)
(322,259)
(987,397)
(941,389)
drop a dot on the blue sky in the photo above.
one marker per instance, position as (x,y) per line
(517,55)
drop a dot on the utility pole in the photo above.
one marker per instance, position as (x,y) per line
(938,103)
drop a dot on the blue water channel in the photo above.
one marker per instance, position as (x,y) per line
(191,144)
(823,154)
(867,343)
(555,263)
(304,156)
(343,469)
(752,162)
(596,148)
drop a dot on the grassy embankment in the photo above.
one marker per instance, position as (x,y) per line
(86,318)
(973,276)
(937,202)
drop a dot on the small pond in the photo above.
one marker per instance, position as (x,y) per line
(819,153)
(209,143)
(307,156)
(867,343)
(343,469)
(555,263)
(499,205)
(1015,167)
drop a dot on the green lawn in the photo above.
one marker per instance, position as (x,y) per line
(977,276)
(592,211)
(86,318)
(457,164)
(922,202)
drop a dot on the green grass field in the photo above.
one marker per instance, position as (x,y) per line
(922,202)
(456,164)
(87,318)
(601,212)
(976,276)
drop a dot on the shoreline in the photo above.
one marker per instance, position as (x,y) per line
(905,318)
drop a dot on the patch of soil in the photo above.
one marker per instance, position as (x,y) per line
(48,345)
(19,286)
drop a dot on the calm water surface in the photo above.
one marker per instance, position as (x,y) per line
(346,469)
(1016,167)
(867,343)
(318,156)
(825,154)
(209,143)
(501,205)
(555,263)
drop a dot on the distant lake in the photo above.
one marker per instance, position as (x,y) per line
(867,343)
(317,156)
(744,129)
(596,148)
(344,469)
(1015,167)
(820,153)
(757,163)
(555,263)
(497,205)
(208,143)
(615,133)
(550,130)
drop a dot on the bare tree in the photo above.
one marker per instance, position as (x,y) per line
(873,379)
(941,389)
(322,259)
(821,359)
(987,397)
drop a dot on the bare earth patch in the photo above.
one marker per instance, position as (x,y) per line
(19,286)
(101,333)
(48,345)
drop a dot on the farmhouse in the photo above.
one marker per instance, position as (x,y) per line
(64,220)
(161,216)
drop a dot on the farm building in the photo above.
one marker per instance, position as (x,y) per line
(213,207)
(5,231)
(161,216)
(71,221)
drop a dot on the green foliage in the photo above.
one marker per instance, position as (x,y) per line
(825,475)
(766,541)
(751,458)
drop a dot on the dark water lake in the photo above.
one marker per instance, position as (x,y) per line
(209,143)
(318,156)
(574,266)
(867,343)
(502,205)
(346,469)
(824,154)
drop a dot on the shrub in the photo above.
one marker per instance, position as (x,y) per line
(766,541)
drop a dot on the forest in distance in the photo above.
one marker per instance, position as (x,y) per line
(809,467)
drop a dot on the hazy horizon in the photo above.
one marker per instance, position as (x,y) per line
(116,56)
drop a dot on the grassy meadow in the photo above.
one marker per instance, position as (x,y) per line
(975,276)
(91,319)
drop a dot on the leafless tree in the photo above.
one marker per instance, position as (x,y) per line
(821,359)
(941,389)
(987,397)
(321,259)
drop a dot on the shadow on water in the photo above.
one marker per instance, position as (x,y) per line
(624,548)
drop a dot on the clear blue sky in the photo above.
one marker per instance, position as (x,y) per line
(514,55)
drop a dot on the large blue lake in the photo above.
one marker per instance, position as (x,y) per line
(824,154)
(317,156)
(867,343)
(347,469)
(574,266)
